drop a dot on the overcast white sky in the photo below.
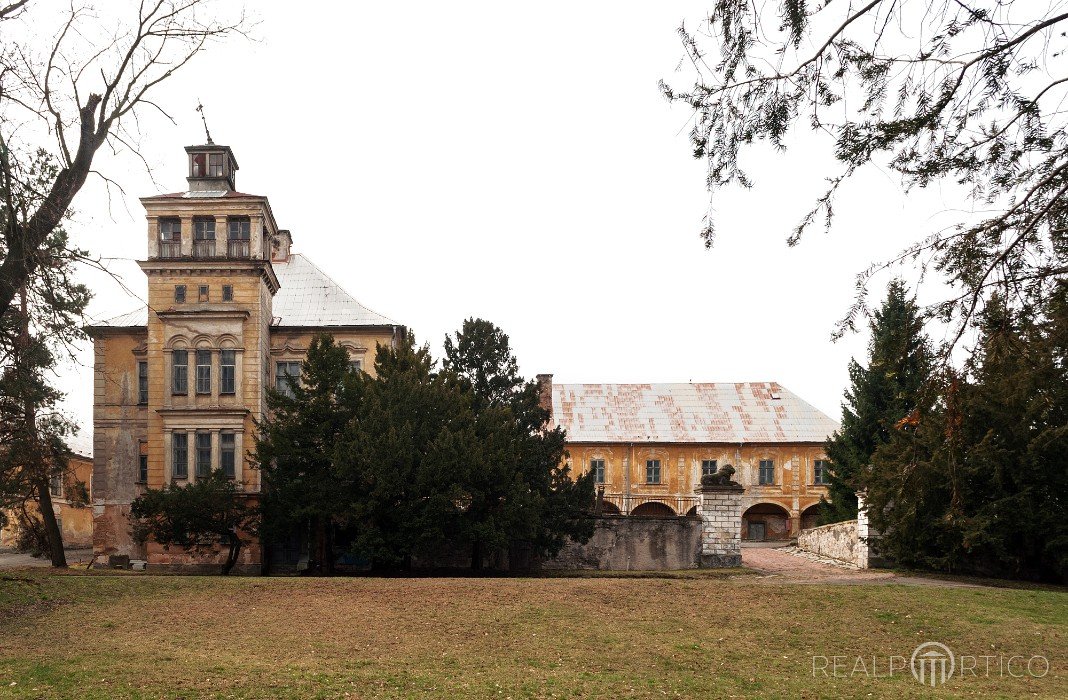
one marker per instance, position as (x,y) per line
(516,162)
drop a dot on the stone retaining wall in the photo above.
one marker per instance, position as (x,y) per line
(634,543)
(837,541)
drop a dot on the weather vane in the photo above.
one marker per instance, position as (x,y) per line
(200,108)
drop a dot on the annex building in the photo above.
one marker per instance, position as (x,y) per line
(180,383)
(649,445)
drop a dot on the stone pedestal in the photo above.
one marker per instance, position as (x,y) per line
(721,520)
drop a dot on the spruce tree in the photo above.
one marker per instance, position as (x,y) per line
(977,481)
(880,395)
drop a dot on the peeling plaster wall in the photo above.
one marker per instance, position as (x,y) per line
(635,544)
(119,425)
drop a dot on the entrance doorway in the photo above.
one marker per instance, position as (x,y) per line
(756,532)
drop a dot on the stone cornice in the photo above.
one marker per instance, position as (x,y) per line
(211,314)
(211,266)
(212,411)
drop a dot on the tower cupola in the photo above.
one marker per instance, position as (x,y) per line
(212,168)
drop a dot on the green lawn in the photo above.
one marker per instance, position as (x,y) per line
(103,636)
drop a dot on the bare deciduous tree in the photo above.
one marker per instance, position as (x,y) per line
(84,92)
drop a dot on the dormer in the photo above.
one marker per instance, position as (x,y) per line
(212,168)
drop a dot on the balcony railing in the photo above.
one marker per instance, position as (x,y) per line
(625,504)
(170,249)
(203,249)
(237,249)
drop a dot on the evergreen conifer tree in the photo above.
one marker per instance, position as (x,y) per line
(880,395)
(296,450)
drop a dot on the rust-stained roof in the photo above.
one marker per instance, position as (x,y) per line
(687,413)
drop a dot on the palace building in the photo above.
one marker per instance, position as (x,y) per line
(649,445)
(179,384)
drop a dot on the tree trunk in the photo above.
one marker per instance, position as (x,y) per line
(51,525)
(231,557)
(41,466)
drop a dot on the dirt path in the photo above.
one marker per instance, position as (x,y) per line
(790,565)
(10,559)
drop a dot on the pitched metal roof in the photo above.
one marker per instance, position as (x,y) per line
(81,444)
(308,297)
(751,412)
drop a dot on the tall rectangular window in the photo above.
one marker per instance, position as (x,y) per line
(819,471)
(597,467)
(237,236)
(652,471)
(142,383)
(355,365)
(282,381)
(170,238)
(215,165)
(204,237)
(767,472)
(708,467)
(203,371)
(180,372)
(203,455)
(228,452)
(227,372)
(55,485)
(180,455)
(179,294)
(202,293)
(142,462)
(228,292)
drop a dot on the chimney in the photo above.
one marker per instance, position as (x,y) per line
(280,246)
(545,393)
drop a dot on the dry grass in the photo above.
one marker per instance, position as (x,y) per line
(99,636)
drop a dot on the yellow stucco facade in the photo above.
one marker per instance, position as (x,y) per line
(632,480)
(68,493)
(181,384)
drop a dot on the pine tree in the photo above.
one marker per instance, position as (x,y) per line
(45,321)
(880,395)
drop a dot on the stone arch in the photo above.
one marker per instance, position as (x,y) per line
(609,508)
(766,521)
(692,512)
(810,516)
(654,509)
(227,342)
(202,342)
(177,342)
